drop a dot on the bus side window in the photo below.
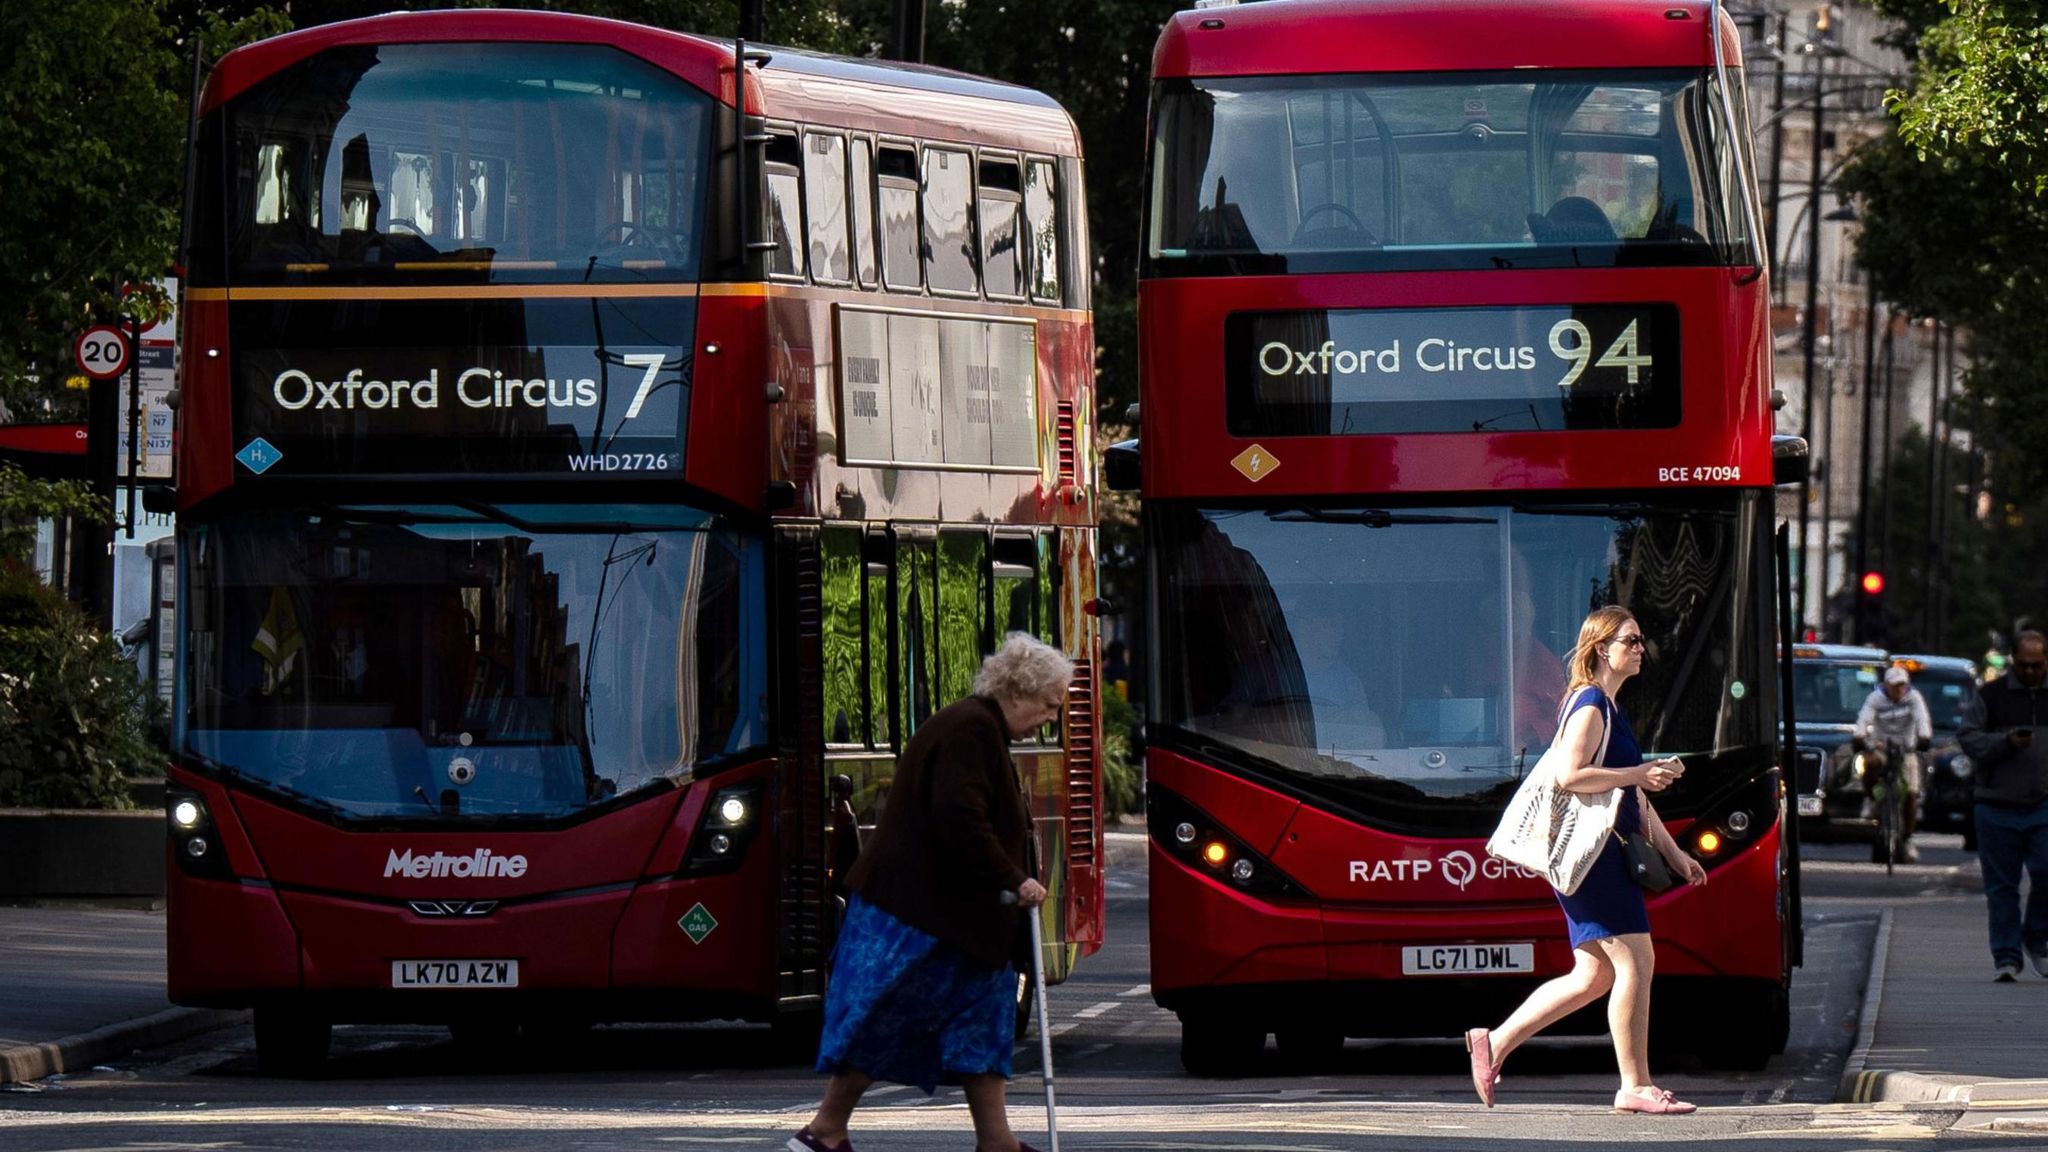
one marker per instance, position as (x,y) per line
(785,207)
(1013,572)
(878,565)
(949,221)
(861,171)
(1042,218)
(1049,609)
(998,202)
(917,620)
(963,598)
(825,206)
(843,649)
(896,196)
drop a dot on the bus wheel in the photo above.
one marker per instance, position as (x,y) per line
(1308,1047)
(1215,1044)
(794,1036)
(291,1043)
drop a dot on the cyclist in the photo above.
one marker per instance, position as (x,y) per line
(1896,712)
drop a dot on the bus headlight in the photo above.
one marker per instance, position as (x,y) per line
(187,814)
(1738,823)
(1962,766)
(726,828)
(1195,840)
(733,810)
(194,840)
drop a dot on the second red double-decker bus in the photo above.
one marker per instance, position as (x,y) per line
(593,471)
(1452,329)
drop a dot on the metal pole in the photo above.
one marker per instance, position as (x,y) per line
(1827,481)
(1863,458)
(134,416)
(752,20)
(1937,584)
(1884,500)
(1933,494)
(1808,331)
(908,43)
(1778,146)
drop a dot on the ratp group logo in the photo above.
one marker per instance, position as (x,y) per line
(1459,868)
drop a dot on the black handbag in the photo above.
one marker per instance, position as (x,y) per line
(1645,863)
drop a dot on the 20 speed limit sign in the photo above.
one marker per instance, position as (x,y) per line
(103,352)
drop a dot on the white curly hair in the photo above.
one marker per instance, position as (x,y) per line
(1024,668)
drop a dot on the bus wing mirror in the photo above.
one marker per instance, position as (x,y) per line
(1120,466)
(159,500)
(1789,460)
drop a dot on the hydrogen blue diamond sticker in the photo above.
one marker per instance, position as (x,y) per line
(258,455)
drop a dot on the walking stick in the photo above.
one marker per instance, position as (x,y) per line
(1052,1119)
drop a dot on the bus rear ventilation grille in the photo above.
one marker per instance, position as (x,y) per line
(1064,430)
(1082,797)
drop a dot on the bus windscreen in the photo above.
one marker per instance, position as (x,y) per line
(1407,664)
(492,162)
(1424,171)
(470,660)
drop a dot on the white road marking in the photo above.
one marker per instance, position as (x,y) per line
(1140,990)
(1094,1010)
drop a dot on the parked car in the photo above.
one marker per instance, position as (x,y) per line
(1946,683)
(1829,684)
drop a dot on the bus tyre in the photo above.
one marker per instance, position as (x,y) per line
(291,1043)
(493,1036)
(1308,1047)
(1215,1044)
(794,1036)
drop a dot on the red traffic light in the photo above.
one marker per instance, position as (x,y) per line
(1873,583)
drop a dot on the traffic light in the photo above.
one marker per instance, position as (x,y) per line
(1870,623)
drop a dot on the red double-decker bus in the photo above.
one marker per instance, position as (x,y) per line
(593,471)
(1452,329)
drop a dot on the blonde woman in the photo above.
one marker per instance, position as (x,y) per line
(1609,924)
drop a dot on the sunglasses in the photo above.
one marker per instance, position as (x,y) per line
(1635,641)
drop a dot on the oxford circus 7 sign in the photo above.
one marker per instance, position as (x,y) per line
(102,352)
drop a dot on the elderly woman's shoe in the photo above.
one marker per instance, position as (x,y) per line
(1652,1101)
(1479,1042)
(803,1141)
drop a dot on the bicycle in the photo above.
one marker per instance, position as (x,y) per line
(1887,791)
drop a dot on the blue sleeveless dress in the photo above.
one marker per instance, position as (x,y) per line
(1609,902)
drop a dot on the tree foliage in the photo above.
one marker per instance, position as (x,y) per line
(93,93)
(1982,88)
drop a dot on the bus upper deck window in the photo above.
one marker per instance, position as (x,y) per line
(785,207)
(1041,218)
(949,221)
(825,205)
(896,195)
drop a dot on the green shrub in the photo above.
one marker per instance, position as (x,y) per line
(1123,777)
(73,717)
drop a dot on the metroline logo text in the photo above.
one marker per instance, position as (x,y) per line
(479,864)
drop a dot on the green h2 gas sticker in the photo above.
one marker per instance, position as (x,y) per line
(697,923)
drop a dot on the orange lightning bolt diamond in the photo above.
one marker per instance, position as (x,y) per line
(1255,462)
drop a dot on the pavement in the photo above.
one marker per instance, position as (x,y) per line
(82,985)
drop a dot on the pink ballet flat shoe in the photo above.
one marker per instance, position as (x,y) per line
(803,1141)
(1479,1042)
(1651,1101)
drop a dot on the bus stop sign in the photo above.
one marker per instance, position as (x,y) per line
(103,352)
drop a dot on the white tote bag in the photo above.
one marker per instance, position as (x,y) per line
(1551,832)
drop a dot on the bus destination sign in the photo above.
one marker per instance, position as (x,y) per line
(1356,372)
(476,410)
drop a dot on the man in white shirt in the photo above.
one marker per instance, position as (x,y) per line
(1897,713)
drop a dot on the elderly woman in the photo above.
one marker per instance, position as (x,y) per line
(923,985)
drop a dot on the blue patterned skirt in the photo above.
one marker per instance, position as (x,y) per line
(907,1007)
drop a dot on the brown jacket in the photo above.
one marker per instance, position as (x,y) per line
(954,836)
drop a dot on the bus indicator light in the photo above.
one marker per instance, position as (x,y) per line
(1709,842)
(1873,583)
(1215,853)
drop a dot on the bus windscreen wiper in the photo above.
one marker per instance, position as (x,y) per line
(1369,517)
